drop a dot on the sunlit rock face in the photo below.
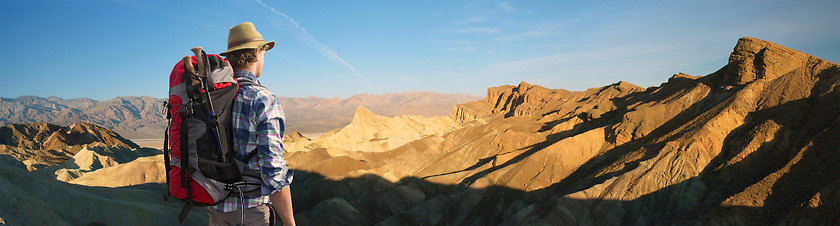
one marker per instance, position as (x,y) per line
(752,143)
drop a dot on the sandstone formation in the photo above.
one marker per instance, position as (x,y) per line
(141,170)
(369,132)
(42,144)
(753,143)
(295,136)
(111,166)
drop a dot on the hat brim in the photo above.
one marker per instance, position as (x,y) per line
(249,45)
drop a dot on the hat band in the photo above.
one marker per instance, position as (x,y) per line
(243,42)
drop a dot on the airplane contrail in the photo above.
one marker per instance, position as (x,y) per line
(323,48)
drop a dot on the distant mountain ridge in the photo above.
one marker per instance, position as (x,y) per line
(142,117)
(36,145)
(131,116)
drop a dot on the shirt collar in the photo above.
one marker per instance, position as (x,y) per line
(247,75)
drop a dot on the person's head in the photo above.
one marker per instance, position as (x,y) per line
(246,48)
(245,59)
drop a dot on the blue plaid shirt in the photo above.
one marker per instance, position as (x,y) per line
(258,122)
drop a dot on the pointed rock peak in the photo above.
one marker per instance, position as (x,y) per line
(622,83)
(295,136)
(363,113)
(683,75)
(624,86)
(362,110)
(524,86)
(750,47)
(753,59)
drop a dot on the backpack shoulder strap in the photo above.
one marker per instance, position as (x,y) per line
(250,155)
(247,82)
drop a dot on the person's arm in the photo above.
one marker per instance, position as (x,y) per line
(282,202)
(275,173)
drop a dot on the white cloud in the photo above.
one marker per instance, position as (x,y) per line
(321,47)
(464,49)
(406,77)
(472,19)
(483,14)
(504,7)
(455,45)
(476,30)
(538,31)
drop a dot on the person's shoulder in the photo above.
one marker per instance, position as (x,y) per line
(262,93)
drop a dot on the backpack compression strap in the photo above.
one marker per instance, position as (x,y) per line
(185,112)
(166,158)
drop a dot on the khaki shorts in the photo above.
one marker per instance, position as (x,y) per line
(258,215)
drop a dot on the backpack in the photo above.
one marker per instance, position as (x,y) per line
(201,168)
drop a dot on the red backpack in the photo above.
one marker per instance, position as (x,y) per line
(202,89)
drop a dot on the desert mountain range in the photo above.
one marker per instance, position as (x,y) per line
(142,117)
(753,143)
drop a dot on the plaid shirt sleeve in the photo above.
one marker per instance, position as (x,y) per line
(270,131)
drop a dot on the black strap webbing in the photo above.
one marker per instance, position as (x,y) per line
(184,148)
(272,220)
(166,160)
(184,211)
(250,155)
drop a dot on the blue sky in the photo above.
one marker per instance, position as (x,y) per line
(105,49)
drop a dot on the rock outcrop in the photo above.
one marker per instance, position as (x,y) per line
(369,132)
(753,143)
(111,166)
(38,145)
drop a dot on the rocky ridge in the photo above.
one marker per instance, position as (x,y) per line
(752,143)
(38,145)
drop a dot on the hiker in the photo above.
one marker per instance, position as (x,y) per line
(258,123)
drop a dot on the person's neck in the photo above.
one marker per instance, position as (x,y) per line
(252,69)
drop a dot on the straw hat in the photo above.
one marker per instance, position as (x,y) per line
(245,36)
